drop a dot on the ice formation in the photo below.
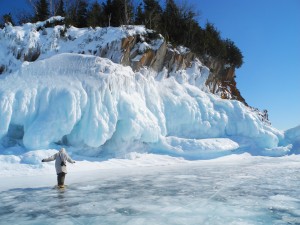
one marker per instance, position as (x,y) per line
(92,103)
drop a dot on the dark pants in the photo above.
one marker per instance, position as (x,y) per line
(61,178)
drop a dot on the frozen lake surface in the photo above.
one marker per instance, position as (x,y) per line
(257,191)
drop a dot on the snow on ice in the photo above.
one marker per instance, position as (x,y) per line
(239,189)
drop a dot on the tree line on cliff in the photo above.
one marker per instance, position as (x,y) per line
(177,23)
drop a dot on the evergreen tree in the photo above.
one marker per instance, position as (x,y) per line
(7,18)
(170,22)
(60,10)
(140,16)
(213,44)
(82,14)
(42,10)
(95,15)
(233,54)
(117,17)
(188,24)
(128,14)
(71,13)
(118,12)
(107,12)
(196,39)
(153,13)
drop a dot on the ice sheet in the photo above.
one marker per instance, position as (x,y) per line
(255,190)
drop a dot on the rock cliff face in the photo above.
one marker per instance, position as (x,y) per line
(221,80)
(151,50)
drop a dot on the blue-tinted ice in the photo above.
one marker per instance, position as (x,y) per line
(249,193)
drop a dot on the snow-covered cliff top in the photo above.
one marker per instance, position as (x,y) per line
(38,41)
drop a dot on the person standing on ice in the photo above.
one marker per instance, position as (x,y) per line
(61,159)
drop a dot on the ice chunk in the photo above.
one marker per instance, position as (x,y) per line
(293,136)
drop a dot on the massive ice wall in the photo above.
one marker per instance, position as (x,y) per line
(87,101)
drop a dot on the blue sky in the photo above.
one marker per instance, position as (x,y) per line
(268,34)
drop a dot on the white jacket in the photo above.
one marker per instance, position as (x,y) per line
(59,157)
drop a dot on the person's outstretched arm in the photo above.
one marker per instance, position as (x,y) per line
(69,158)
(51,158)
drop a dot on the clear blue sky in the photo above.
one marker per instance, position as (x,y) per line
(268,34)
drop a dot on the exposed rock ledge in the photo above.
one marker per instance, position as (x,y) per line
(221,80)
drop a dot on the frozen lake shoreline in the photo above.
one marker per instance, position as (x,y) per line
(249,190)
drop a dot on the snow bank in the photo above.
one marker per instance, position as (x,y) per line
(89,101)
